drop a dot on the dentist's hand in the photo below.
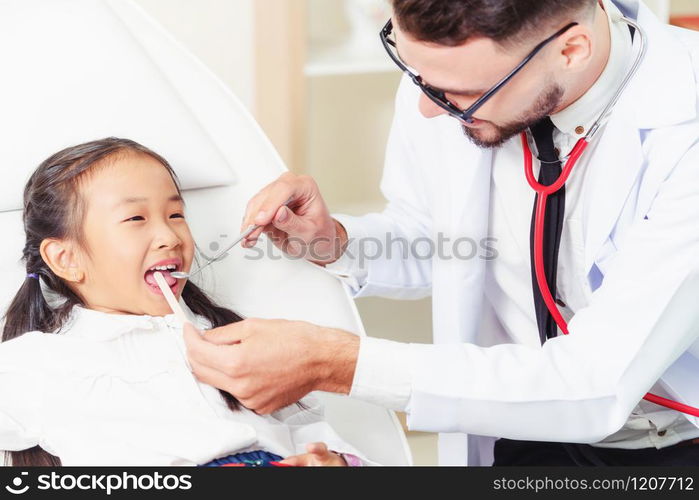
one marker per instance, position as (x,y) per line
(270,364)
(304,228)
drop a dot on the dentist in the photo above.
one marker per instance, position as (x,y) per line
(575,341)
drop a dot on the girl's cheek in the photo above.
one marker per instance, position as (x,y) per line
(187,244)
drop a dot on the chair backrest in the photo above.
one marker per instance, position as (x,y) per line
(78,70)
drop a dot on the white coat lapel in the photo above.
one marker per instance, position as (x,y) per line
(461,210)
(619,158)
(613,171)
(666,85)
(462,213)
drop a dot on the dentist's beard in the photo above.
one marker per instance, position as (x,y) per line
(544,105)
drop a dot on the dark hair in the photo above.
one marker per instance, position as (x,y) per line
(53,209)
(452,22)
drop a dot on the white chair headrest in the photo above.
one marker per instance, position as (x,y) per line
(70,78)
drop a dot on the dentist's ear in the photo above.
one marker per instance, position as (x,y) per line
(576,50)
(62,257)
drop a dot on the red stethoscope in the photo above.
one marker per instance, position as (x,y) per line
(543,193)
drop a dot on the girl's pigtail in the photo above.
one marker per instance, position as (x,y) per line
(29,310)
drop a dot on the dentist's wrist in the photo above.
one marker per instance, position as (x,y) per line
(340,242)
(336,360)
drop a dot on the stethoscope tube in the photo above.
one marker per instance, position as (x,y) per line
(544,192)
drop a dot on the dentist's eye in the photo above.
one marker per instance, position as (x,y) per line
(135,218)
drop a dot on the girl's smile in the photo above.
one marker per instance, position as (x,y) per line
(165,267)
(134,223)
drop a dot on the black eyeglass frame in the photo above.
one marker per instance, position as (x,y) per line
(438,97)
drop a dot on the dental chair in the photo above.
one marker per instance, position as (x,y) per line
(78,70)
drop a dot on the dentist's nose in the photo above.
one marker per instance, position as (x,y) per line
(429,109)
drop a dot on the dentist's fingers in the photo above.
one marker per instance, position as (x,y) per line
(219,357)
(278,363)
(276,236)
(218,366)
(300,192)
(296,190)
(233,333)
(262,207)
(286,220)
(212,377)
(239,389)
(289,245)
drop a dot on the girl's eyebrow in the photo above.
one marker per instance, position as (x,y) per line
(126,201)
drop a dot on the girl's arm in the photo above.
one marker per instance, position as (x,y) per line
(21,383)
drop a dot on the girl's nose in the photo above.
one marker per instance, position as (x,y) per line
(429,109)
(166,237)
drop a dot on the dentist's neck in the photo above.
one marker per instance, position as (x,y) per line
(601,48)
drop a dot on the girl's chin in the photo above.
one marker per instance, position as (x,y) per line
(158,309)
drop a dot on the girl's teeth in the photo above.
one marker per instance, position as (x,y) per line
(171,267)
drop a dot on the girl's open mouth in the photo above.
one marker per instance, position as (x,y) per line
(165,270)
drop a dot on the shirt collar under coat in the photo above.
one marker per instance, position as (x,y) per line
(663,91)
(577,119)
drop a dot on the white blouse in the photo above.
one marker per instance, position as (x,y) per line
(113,389)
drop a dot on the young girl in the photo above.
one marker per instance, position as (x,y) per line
(101,377)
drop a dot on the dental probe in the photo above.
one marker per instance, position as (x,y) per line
(246,233)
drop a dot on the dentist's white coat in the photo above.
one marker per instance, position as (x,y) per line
(641,243)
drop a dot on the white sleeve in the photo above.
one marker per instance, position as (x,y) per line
(383,374)
(308,425)
(20,393)
(579,387)
(377,260)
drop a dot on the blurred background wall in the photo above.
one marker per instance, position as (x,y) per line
(219,32)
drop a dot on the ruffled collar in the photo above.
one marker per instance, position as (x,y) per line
(102,326)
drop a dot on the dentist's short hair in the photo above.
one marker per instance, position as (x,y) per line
(453,22)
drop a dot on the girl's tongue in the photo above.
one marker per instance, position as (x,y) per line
(150,279)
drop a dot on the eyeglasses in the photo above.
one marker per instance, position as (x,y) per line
(437,96)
